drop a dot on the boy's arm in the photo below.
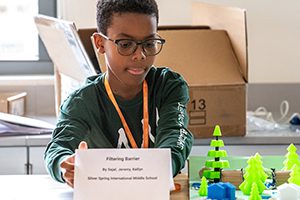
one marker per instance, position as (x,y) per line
(172,129)
(70,130)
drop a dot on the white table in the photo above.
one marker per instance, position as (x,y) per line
(42,187)
(33,187)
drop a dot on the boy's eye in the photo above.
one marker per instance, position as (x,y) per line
(125,44)
(149,44)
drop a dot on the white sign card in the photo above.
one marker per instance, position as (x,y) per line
(116,174)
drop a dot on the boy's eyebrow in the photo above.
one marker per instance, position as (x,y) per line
(130,36)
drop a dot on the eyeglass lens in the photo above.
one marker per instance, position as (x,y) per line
(150,47)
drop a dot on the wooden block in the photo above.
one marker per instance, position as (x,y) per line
(183,194)
(235,177)
(13,103)
(282,177)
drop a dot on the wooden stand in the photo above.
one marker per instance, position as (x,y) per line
(235,177)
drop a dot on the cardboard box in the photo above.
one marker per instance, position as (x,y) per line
(13,103)
(214,63)
(64,47)
(72,65)
(206,60)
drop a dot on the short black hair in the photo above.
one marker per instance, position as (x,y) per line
(106,9)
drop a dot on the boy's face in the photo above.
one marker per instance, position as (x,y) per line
(129,70)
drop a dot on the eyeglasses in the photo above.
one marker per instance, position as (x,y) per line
(127,47)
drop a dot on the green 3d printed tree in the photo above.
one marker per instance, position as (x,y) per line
(254,173)
(254,194)
(203,187)
(260,168)
(217,164)
(295,175)
(291,158)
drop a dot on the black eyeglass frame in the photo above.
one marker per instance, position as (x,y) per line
(116,42)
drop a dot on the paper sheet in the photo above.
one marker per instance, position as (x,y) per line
(123,174)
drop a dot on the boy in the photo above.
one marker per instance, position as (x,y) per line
(133,104)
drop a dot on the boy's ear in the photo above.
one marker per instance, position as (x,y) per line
(98,42)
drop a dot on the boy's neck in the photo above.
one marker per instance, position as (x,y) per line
(122,90)
(126,93)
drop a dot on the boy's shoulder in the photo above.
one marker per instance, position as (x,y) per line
(84,93)
(166,83)
(164,74)
(162,71)
(95,79)
(88,85)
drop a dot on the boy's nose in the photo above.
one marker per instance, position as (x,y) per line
(139,53)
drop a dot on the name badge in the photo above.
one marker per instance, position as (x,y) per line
(116,174)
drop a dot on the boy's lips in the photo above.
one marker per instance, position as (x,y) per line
(136,71)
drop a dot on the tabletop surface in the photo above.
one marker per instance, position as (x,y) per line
(37,187)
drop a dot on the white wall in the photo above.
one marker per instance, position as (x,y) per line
(82,12)
(273,32)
